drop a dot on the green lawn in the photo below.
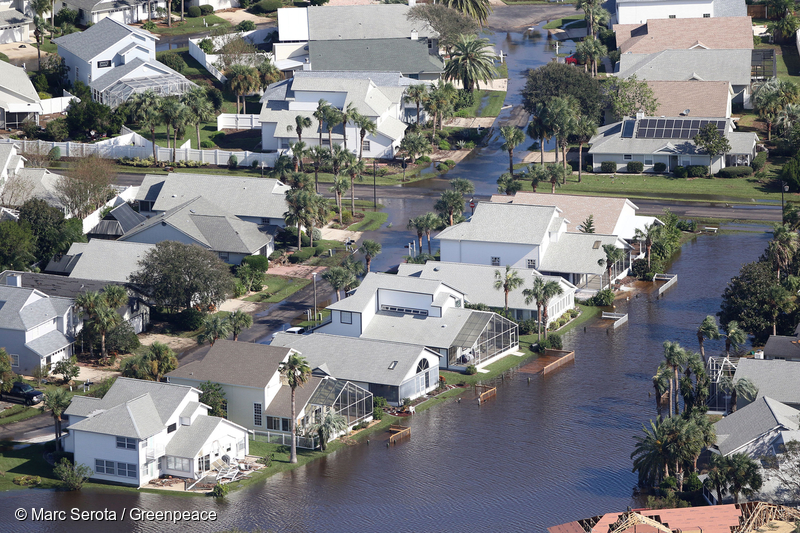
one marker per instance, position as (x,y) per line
(278,288)
(325,313)
(27,461)
(558,23)
(192,25)
(193,67)
(372,221)
(788,60)
(491,109)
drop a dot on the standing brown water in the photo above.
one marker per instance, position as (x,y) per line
(538,454)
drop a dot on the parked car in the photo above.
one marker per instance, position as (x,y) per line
(23,393)
(295,330)
(571,60)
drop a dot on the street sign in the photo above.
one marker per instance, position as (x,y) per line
(472,205)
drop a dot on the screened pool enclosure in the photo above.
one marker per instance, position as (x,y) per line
(119,92)
(347,400)
(482,337)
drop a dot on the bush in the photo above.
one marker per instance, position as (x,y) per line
(472,370)
(206,45)
(173,61)
(220,490)
(555,341)
(641,271)
(377,413)
(759,161)
(206,144)
(444,145)
(423,159)
(687,225)
(233,162)
(257,262)
(215,97)
(266,6)
(246,25)
(274,256)
(659,167)
(194,12)
(692,483)
(206,9)
(65,16)
(27,481)
(735,172)
(697,171)
(528,327)
(73,476)
(122,339)
(680,172)
(347,217)
(55,152)
(288,237)
(669,483)
(319,250)
(608,167)
(589,168)
(147,26)
(635,167)
(189,320)
(603,298)
(301,256)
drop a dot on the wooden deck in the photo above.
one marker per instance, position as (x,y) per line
(398,432)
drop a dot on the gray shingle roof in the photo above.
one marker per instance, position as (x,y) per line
(507,223)
(774,378)
(49,343)
(356,359)
(189,440)
(578,252)
(363,22)
(53,285)
(16,80)
(730,8)
(42,184)
(362,93)
(423,331)
(234,363)
(95,40)
(782,346)
(17,314)
(281,404)
(118,221)
(675,65)
(136,418)
(106,260)
(392,128)
(752,421)
(375,281)
(12,17)
(403,55)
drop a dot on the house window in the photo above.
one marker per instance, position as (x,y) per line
(627,157)
(125,442)
(179,463)
(284,144)
(495,261)
(103,64)
(204,463)
(77,73)
(531,263)
(257,414)
(224,256)
(706,15)
(172,427)
(126,470)
(14,359)
(365,146)
(326,143)
(285,425)
(648,161)
(240,445)
(672,16)
(346,317)
(274,423)
(104,467)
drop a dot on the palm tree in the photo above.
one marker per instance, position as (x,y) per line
(738,387)
(450,203)
(536,293)
(331,424)
(782,247)
(299,151)
(661,381)
(170,108)
(56,401)
(708,330)
(462,186)
(294,373)
(562,120)
(239,321)
(674,358)
(507,282)
(282,167)
(439,103)
(355,169)
(771,96)
(508,185)
(539,127)
(340,186)
(321,114)
(415,144)
(416,93)
(683,444)
(333,117)
(650,454)
(297,201)
(268,74)
(743,475)
(429,223)
(477,9)
(585,129)
(214,327)
(338,158)
(300,123)
(784,28)
(115,296)
(370,249)
(471,62)
(38,7)
(242,80)
(181,119)
(554,174)
(706,433)
(365,126)
(734,337)
(779,300)
(613,256)
(586,6)
(347,115)
(317,214)
(159,359)
(717,477)
(513,137)
(338,278)
(318,154)
(591,51)
(145,108)
(196,100)
(648,235)
(536,174)
(101,317)
(416,224)
(551,290)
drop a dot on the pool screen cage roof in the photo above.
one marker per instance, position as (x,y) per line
(346,399)
(164,85)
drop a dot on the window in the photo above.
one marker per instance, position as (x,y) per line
(77,73)
(365,146)
(392,365)
(274,423)
(240,445)
(126,470)
(179,463)
(172,427)
(14,359)
(103,64)
(285,425)
(423,365)
(257,414)
(405,310)
(531,263)
(346,317)
(284,144)
(627,157)
(648,161)
(495,261)
(224,256)
(104,467)
(125,442)
(672,16)
(204,463)
(706,15)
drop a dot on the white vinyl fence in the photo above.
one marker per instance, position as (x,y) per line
(209,61)
(238,122)
(57,105)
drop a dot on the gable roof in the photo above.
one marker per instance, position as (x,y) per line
(13,17)
(249,197)
(234,363)
(189,440)
(678,65)
(367,98)
(42,184)
(25,308)
(375,281)
(402,55)
(702,98)
(16,80)
(137,418)
(752,421)
(438,332)
(710,519)
(656,35)
(281,404)
(380,21)
(54,285)
(99,37)
(775,378)
(106,260)
(505,223)
(118,221)
(49,343)
(783,346)
(578,252)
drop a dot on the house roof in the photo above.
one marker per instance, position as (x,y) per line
(277,112)
(99,37)
(234,363)
(24,308)
(53,285)
(374,281)
(42,184)
(392,128)
(477,281)
(136,418)
(118,221)
(281,404)
(656,35)
(702,98)
(503,223)
(16,80)
(677,65)
(403,55)
(438,332)
(380,21)
(752,421)
(107,260)
(578,252)
(356,359)
(775,378)
(13,17)
(49,343)
(156,71)
(710,519)
(189,440)
(362,93)
(250,197)
(783,346)
(209,226)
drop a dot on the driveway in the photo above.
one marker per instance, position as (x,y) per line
(36,429)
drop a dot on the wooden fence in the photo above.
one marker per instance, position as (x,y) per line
(488,392)
(564,357)
(398,432)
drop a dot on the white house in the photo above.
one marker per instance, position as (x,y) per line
(18,97)
(141,430)
(16,22)
(426,313)
(640,11)
(377,95)
(124,11)
(11,162)
(753,429)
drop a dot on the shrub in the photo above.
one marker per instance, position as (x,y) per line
(274,256)
(233,162)
(608,167)
(258,262)
(669,483)
(40,83)
(687,225)
(659,167)
(246,25)
(319,250)
(450,163)
(303,255)
(194,12)
(759,161)
(377,413)
(472,370)
(603,298)
(173,61)
(216,98)
(423,159)
(206,144)
(444,145)
(206,9)
(680,172)
(555,341)
(735,172)
(206,45)
(692,483)
(73,476)
(635,167)
(347,217)
(148,26)
(220,490)
(55,153)
(27,481)
(266,6)
(528,327)
(697,171)
(589,168)
(640,270)
(189,319)
(65,16)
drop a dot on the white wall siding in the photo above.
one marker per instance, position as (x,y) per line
(639,13)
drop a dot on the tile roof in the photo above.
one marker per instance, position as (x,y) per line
(506,223)
(578,252)
(656,35)
(710,519)
(403,55)
(25,308)
(702,98)
(753,421)
(380,21)
(234,363)
(99,37)
(189,440)
(678,65)
(281,404)
(106,260)
(775,378)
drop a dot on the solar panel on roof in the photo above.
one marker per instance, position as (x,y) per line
(670,123)
(659,133)
(721,124)
(703,123)
(660,123)
(627,128)
(649,134)
(684,134)
(695,124)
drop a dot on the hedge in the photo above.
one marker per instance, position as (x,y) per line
(735,172)
(194,11)
(173,61)
(303,255)
(680,172)
(659,167)
(608,166)
(258,262)
(697,171)
(635,167)
(759,161)
(266,6)
(206,9)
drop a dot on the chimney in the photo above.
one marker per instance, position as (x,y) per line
(14,280)
(639,115)
(414,33)
(412,3)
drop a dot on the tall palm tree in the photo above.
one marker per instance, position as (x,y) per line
(649,236)
(297,202)
(242,80)
(115,296)
(674,357)
(338,278)
(333,117)
(340,186)
(320,114)
(239,321)
(429,223)
(782,247)
(355,169)
(613,256)
(717,477)
(561,116)
(507,281)
(181,119)
(477,9)
(101,317)
(145,108)
(462,186)
(56,401)
(365,126)
(554,174)
(370,249)
(536,293)
(585,129)
(513,137)
(299,151)
(295,373)
(196,100)
(439,103)
(591,51)
(471,62)
(661,381)
(708,330)
(301,123)
(416,224)
(450,204)
(586,6)
(539,127)
(214,327)
(738,387)
(684,443)
(317,215)
(416,93)
(551,290)
(651,458)
(735,336)
(347,115)
(779,300)
(170,109)
(743,475)
(318,154)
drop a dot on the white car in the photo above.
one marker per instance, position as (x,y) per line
(295,330)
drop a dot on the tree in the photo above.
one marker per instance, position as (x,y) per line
(711,141)
(416,224)
(318,154)
(177,276)
(54,234)
(674,358)
(508,185)
(471,62)
(355,169)
(331,424)
(449,204)
(738,387)
(429,223)
(321,113)
(648,235)
(214,397)
(268,73)
(708,330)
(586,6)
(170,109)
(562,121)
(145,108)
(446,21)
(294,373)
(591,51)
(560,80)
(734,337)
(745,300)
(551,290)
(683,444)
(301,122)
(214,327)
(199,108)
(771,96)
(242,80)
(717,479)
(743,476)
(101,311)
(418,92)
(338,278)
(68,368)
(239,321)
(651,458)
(297,202)
(536,293)
(370,249)
(784,28)
(507,282)
(73,476)
(16,190)
(439,103)
(585,128)
(40,26)
(476,9)
(587,226)
(365,126)
(779,300)
(782,247)
(628,96)
(86,185)
(462,186)
(152,365)
(179,120)
(56,401)
(613,256)
(6,374)
(17,246)
(513,137)
(415,144)
(539,128)
(554,174)
(340,186)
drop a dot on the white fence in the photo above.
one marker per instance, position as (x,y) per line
(238,122)
(209,61)
(57,105)
(126,194)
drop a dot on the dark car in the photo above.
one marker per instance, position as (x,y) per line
(24,393)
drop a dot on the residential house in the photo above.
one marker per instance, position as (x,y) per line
(426,313)
(657,34)
(692,98)
(117,61)
(477,284)
(669,141)
(532,237)
(641,11)
(141,430)
(198,221)
(783,346)
(708,519)
(377,95)
(16,22)
(11,162)
(135,312)
(256,396)
(258,200)
(392,370)
(38,183)
(410,56)
(36,329)
(122,11)
(116,223)
(753,429)
(100,260)
(19,100)
(776,379)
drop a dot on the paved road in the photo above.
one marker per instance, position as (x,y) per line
(32,429)
(508,18)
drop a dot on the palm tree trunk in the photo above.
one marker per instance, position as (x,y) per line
(369,263)
(671,406)
(299,237)
(553,187)
(580,160)
(339,205)
(556,148)
(506,309)
(103,344)
(169,13)
(352,195)
(182,10)
(330,138)
(702,347)
(417,111)
(169,138)
(316,178)
(293,456)
(175,145)
(544,317)
(197,127)
(55,430)
(153,139)
(564,160)
(541,150)
(428,235)
(658,399)
(511,163)
(361,148)
(677,410)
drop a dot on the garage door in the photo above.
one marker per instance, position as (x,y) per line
(11,35)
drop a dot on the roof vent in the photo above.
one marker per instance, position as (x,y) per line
(174,195)
(685,112)
(14,280)
(436,269)
(414,35)
(596,245)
